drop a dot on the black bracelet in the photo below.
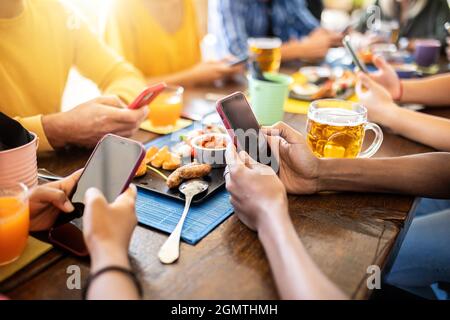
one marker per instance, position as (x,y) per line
(123,270)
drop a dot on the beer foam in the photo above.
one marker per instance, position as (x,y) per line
(264,43)
(337,117)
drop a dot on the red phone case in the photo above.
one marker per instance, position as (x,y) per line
(147,96)
(224,118)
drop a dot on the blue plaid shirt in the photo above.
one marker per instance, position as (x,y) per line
(234,21)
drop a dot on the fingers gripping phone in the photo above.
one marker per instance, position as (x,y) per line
(244,129)
(147,96)
(110,168)
(361,65)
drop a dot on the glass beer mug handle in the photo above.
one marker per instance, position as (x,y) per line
(376,142)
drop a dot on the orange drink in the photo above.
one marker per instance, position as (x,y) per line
(166,109)
(14,222)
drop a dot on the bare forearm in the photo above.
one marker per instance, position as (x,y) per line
(432,91)
(291,51)
(426,129)
(426,175)
(296,275)
(111,285)
(297,49)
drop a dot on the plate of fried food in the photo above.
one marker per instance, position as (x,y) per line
(165,168)
(312,83)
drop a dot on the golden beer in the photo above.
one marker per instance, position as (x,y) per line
(267,52)
(336,129)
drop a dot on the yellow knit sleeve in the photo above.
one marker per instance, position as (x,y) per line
(98,62)
(34,124)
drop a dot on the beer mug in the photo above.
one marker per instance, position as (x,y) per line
(336,129)
(267,52)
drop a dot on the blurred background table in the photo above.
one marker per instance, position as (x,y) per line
(345,233)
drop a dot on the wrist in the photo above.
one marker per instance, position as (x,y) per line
(107,255)
(392,116)
(274,232)
(397,96)
(54,128)
(339,174)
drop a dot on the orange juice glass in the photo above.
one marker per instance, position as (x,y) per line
(166,109)
(14,222)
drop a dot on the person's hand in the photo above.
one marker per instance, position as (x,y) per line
(48,200)
(87,123)
(387,77)
(299,168)
(209,71)
(315,47)
(335,38)
(257,195)
(107,228)
(380,106)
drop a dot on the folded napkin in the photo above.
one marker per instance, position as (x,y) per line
(34,249)
(163,213)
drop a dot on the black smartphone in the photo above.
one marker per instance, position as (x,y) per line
(361,65)
(244,129)
(110,168)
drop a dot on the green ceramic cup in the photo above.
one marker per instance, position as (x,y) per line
(268,98)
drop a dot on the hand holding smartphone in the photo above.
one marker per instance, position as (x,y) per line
(147,96)
(111,167)
(244,129)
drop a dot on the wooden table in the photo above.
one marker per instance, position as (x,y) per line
(344,233)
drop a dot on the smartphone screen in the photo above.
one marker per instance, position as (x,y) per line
(110,169)
(238,117)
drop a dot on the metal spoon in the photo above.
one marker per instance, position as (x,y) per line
(45,174)
(170,250)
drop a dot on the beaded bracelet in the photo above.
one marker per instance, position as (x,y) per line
(122,270)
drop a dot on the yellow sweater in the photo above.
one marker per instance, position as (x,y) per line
(133,32)
(37,50)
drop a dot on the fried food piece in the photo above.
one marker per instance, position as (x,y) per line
(189,171)
(150,154)
(142,170)
(172,162)
(195,171)
(158,159)
(325,91)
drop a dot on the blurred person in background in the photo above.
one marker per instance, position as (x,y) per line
(233,22)
(418,19)
(40,41)
(161,38)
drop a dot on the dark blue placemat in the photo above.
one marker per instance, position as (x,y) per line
(163,213)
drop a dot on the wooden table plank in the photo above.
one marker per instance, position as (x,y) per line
(343,232)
